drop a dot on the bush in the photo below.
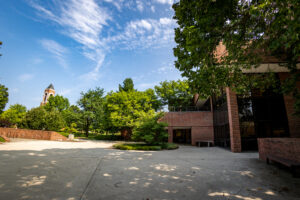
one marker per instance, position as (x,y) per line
(5,123)
(2,140)
(145,147)
(150,130)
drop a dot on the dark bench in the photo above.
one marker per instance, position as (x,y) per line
(293,165)
(209,142)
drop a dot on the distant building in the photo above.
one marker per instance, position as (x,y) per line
(49,91)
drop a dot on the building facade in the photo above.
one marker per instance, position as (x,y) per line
(236,122)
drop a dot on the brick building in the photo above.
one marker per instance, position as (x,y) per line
(236,121)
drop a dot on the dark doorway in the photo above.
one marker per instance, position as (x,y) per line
(221,123)
(182,136)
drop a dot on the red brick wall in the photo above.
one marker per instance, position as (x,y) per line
(188,118)
(293,121)
(5,138)
(201,124)
(288,148)
(31,134)
(234,123)
(202,133)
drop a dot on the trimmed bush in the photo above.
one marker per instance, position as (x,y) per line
(145,147)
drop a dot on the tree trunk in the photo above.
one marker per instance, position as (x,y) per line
(126,133)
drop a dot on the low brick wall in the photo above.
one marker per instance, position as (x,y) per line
(31,134)
(5,138)
(288,148)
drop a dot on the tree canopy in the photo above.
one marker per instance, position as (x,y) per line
(91,103)
(15,114)
(250,30)
(57,102)
(127,85)
(174,93)
(3,97)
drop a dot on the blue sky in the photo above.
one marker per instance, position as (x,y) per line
(83,44)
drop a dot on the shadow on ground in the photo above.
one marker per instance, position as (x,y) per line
(101,173)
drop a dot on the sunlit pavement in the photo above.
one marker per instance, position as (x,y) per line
(33,169)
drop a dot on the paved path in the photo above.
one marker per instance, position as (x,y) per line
(92,170)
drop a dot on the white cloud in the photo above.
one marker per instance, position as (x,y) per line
(145,33)
(85,20)
(165,1)
(139,5)
(57,50)
(25,77)
(153,8)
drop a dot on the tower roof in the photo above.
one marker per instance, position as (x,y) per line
(50,87)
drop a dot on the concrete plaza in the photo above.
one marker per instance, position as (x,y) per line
(35,169)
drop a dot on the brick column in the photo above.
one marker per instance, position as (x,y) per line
(234,123)
(289,101)
(170,132)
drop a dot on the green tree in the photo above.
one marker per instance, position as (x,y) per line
(127,85)
(54,121)
(151,130)
(3,97)
(15,114)
(35,118)
(91,104)
(72,115)
(250,30)
(123,109)
(175,93)
(57,102)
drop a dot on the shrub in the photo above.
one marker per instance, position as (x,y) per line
(145,147)
(5,123)
(150,130)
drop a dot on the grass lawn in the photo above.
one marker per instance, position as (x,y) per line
(145,147)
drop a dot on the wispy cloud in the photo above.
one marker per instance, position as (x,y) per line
(25,77)
(57,50)
(165,1)
(85,20)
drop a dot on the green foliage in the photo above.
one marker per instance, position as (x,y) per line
(91,103)
(57,102)
(36,118)
(15,114)
(54,121)
(72,115)
(145,147)
(3,97)
(123,109)
(250,30)
(39,119)
(150,130)
(175,93)
(127,85)
(2,140)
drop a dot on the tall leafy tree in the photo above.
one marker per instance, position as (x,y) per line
(57,102)
(250,30)
(15,114)
(72,115)
(123,109)
(35,118)
(127,85)
(174,93)
(91,103)
(3,97)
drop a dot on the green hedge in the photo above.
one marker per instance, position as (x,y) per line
(145,147)
(2,140)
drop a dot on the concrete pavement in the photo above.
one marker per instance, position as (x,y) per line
(33,169)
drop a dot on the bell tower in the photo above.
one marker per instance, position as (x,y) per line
(49,91)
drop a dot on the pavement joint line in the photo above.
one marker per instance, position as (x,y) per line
(91,178)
